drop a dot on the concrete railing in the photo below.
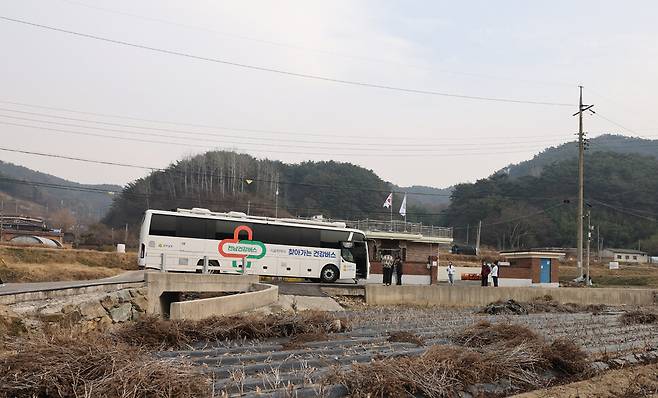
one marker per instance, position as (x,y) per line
(262,295)
(472,296)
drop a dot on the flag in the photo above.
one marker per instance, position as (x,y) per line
(389,201)
(403,207)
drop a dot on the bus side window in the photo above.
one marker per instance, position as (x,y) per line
(163,225)
(224,230)
(331,239)
(309,237)
(191,227)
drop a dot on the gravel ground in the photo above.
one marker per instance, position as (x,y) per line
(267,368)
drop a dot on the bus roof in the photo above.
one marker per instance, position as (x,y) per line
(240,216)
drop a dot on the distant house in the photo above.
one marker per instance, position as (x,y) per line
(625,255)
(28,230)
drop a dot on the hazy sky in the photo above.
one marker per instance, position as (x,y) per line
(537,51)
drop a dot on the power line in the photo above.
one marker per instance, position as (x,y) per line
(631,212)
(144,196)
(284,72)
(277,142)
(243,137)
(318,50)
(338,188)
(617,124)
(333,152)
(253,130)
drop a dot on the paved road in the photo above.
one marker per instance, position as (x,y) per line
(14,288)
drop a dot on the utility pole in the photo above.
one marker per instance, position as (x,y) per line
(589,239)
(467,232)
(276,202)
(581,172)
(477,242)
(2,217)
(248,206)
(598,243)
(125,236)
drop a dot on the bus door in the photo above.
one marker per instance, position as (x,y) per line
(359,252)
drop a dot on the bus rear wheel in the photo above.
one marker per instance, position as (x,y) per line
(329,274)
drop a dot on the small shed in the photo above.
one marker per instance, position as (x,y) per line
(527,268)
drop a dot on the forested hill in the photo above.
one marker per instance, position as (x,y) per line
(24,190)
(569,150)
(223,181)
(529,211)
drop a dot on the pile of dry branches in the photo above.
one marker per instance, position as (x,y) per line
(485,333)
(157,333)
(68,365)
(513,354)
(638,317)
(537,305)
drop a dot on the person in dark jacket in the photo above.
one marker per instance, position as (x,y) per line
(398,265)
(484,273)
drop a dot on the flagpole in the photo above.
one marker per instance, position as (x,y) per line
(405,212)
(391,209)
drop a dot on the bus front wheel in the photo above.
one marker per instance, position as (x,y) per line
(329,274)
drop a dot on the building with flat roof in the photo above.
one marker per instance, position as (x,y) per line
(530,267)
(625,255)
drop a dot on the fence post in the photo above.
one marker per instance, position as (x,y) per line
(162,262)
(205,264)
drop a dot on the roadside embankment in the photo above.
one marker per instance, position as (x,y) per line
(36,264)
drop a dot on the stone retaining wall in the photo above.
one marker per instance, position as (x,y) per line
(91,311)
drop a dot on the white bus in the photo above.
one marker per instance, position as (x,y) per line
(191,240)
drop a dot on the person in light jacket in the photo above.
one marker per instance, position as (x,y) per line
(451,273)
(494,274)
(387,268)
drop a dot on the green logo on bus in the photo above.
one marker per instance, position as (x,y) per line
(242,249)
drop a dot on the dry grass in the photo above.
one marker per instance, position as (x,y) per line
(157,333)
(485,333)
(639,317)
(37,264)
(92,258)
(68,365)
(444,371)
(405,337)
(514,354)
(644,275)
(20,273)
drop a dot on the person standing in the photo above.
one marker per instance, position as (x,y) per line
(451,273)
(494,274)
(387,267)
(398,269)
(484,273)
